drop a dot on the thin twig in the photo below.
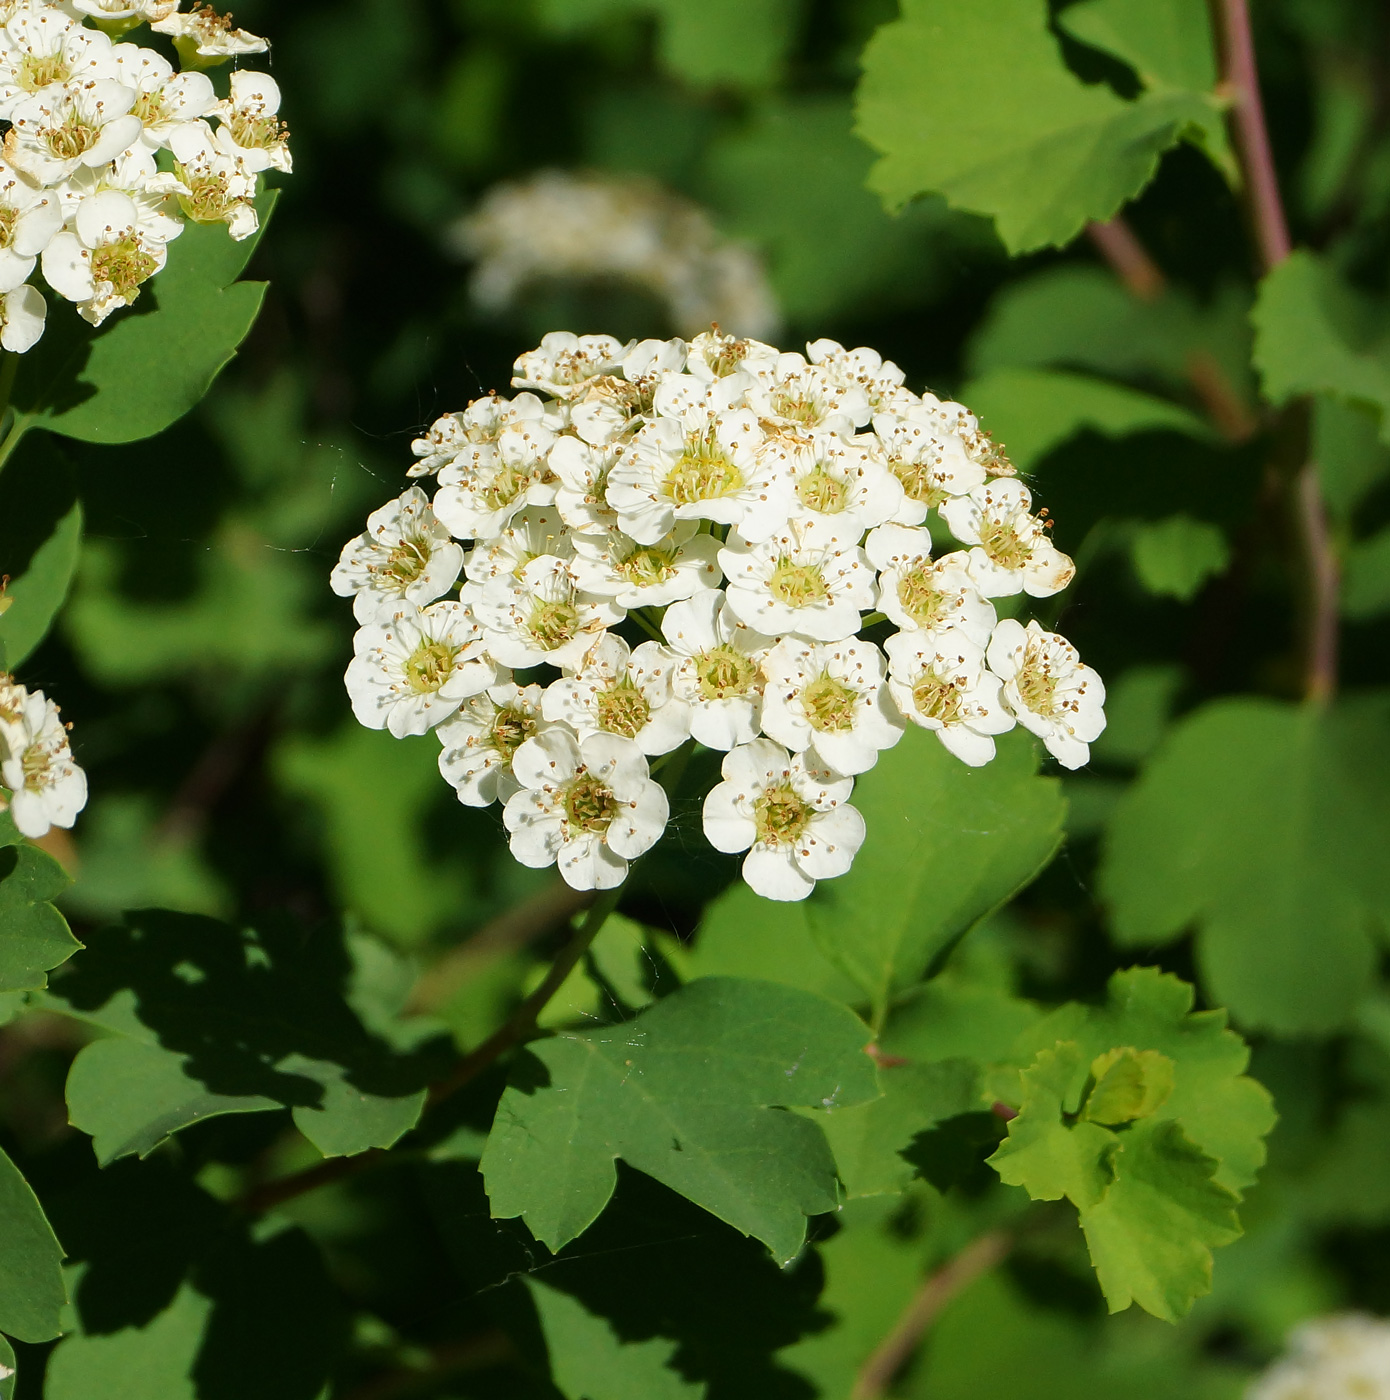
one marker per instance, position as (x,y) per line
(1241,79)
(1241,82)
(1124,252)
(892,1353)
(518,1028)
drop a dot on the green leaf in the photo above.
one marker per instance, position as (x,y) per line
(796,165)
(1032,411)
(1351,459)
(976,104)
(717,42)
(32,1294)
(689,1093)
(1169,45)
(868,1139)
(1264,826)
(1138,707)
(1366,577)
(207,1020)
(34,936)
(947,844)
(588,1360)
(154,1362)
(37,594)
(1176,556)
(144,370)
(1150,1206)
(1313,335)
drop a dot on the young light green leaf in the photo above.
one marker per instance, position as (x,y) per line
(1263,825)
(947,844)
(1150,1206)
(34,936)
(689,1093)
(32,1294)
(975,103)
(153,1362)
(140,373)
(1314,336)
(587,1359)
(1176,556)
(37,594)
(1031,411)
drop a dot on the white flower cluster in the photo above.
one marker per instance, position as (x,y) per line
(1332,1358)
(39,782)
(760,518)
(108,149)
(560,226)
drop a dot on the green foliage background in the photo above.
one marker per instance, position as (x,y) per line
(323,929)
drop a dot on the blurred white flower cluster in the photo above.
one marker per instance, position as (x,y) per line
(562,226)
(1332,1358)
(108,149)
(757,517)
(39,782)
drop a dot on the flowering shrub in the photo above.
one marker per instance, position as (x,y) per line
(761,517)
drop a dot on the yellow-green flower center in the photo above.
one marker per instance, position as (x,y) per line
(125,265)
(937,697)
(504,488)
(796,585)
(623,709)
(819,490)
(722,672)
(407,560)
(703,473)
(780,816)
(919,482)
(34,765)
(510,730)
(554,624)
(258,130)
(1001,540)
(72,140)
(589,804)
(150,107)
(646,566)
(9,220)
(793,405)
(829,704)
(922,601)
(38,70)
(1036,685)
(429,666)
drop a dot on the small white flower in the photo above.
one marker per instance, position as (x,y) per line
(542,615)
(60,129)
(717,669)
(791,394)
(648,575)
(1012,552)
(103,264)
(29,218)
(703,466)
(23,313)
(1331,1358)
(648,362)
(917,592)
(615,690)
(116,16)
(48,49)
(251,129)
(844,483)
(563,362)
(404,554)
(476,428)
(603,409)
(930,461)
(411,670)
(446,438)
(586,806)
(46,787)
(164,99)
(217,188)
(793,819)
(713,356)
(880,379)
(581,472)
(1047,687)
(481,737)
(806,579)
(939,681)
(831,697)
(535,531)
(203,37)
(487,484)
